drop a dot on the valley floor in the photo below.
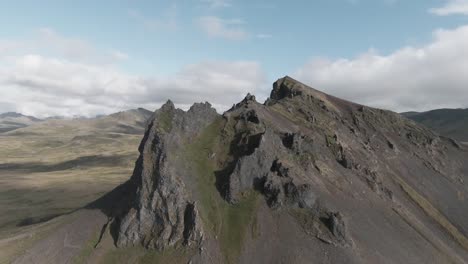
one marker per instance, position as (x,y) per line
(47,171)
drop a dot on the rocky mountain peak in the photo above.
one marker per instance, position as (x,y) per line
(162,213)
(168,106)
(286,87)
(249,98)
(330,177)
(200,108)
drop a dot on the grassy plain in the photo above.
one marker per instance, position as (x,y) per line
(58,166)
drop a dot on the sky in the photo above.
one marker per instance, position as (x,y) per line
(85,58)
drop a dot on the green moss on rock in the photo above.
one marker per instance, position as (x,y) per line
(226,222)
(164,121)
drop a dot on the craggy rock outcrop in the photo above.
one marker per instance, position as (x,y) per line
(337,182)
(164,213)
(282,189)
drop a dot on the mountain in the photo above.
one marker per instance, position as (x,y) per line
(11,121)
(134,120)
(17,115)
(53,167)
(448,122)
(304,178)
(137,117)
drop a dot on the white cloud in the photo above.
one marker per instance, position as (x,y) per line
(45,86)
(58,75)
(451,7)
(72,48)
(411,78)
(48,41)
(222,28)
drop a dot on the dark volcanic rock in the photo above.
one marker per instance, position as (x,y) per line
(285,88)
(336,225)
(163,213)
(337,182)
(281,188)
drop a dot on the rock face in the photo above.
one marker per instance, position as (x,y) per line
(304,177)
(163,213)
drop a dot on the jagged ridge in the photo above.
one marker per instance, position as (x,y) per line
(341,175)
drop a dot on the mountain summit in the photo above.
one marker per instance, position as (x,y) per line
(304,178)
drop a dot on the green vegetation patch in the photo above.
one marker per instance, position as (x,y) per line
(235,220)
(164,121)
(228,223)
(433,212)
(308,220)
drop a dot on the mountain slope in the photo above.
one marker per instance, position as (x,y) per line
(448,122)
(304,178)
(11,121)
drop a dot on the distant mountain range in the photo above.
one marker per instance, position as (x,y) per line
(17,115)
(451,123)
(11,120)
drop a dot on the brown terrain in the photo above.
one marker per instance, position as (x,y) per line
(54,167)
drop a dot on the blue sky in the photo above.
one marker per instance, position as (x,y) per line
(163,35)
(167,44)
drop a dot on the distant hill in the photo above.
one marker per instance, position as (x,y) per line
(17,115)
(131,121)
(11,121)
(136,118)
(451,123)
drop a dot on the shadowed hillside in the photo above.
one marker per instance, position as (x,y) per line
(447,122)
